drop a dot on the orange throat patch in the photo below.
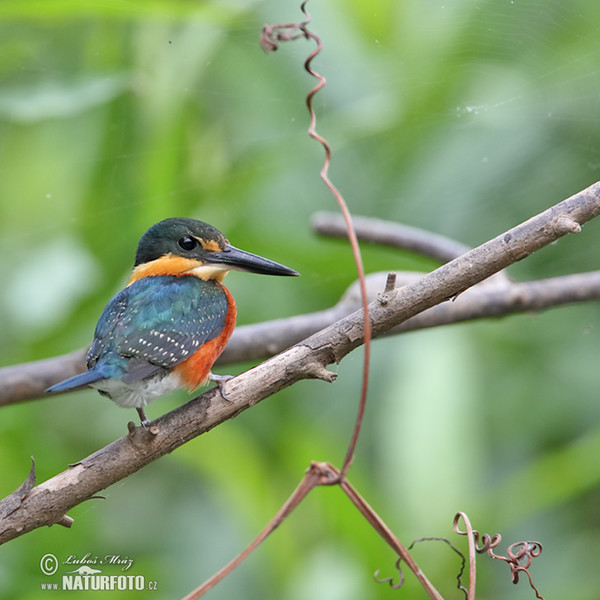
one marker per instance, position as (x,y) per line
(173,265)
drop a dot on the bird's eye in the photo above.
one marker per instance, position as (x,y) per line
(187,242)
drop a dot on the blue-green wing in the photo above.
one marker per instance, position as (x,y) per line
(156,323)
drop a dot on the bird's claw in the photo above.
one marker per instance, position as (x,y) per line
(220,380)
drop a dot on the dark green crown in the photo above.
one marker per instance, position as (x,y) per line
(180,237)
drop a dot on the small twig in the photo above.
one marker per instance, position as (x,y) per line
(13,501)
(390,286)
(65,521)
(390,283)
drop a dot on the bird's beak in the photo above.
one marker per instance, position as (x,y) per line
(240,260)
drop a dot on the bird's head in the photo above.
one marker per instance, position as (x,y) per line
(186,246)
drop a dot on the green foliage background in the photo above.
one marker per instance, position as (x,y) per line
(460,116)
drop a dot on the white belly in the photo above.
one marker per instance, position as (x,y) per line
(139,394)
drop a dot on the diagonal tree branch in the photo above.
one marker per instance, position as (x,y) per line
(47,503)
(27,381)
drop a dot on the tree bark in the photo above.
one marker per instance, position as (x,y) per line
(47,503)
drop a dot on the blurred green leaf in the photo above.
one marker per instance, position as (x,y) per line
(55,100)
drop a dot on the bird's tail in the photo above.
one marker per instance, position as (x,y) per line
(76,381)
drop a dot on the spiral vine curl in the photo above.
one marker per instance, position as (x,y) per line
(519,554)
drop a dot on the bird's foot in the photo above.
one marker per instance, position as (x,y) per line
(220,381)
(143,418)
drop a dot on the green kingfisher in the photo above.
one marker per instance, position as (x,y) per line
(169,325)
